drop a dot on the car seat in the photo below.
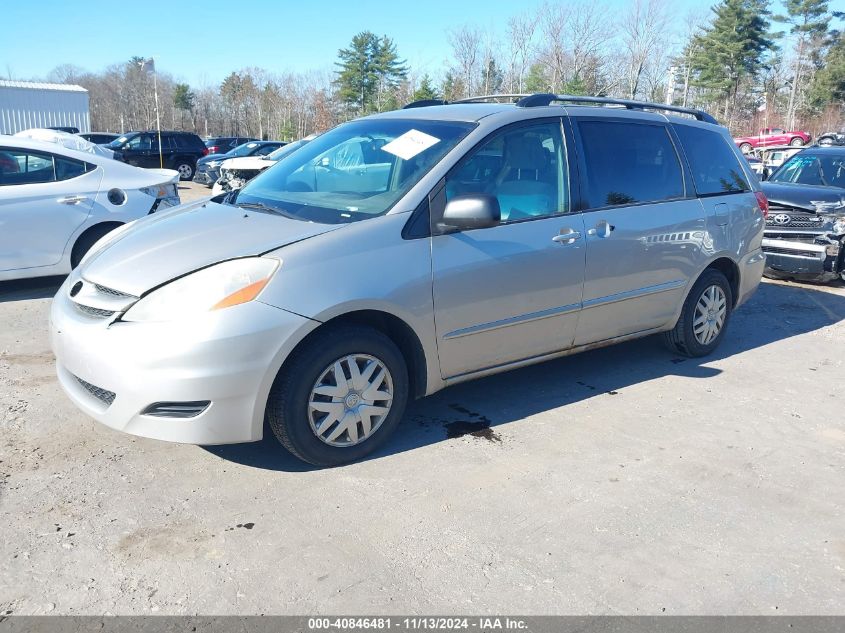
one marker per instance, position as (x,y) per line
(525,189)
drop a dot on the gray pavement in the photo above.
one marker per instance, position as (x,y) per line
(620,481)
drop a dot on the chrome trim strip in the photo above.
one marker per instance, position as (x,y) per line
(517,320)
(635,294)
(532,360)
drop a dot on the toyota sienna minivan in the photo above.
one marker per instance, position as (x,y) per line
(405,252)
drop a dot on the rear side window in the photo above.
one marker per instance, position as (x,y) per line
(24,167)
(627,163)
(715,168)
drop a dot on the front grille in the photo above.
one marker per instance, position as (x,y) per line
(798,221)
(776,250)
(103,395)
(792,236)
(112,292)
(99,302)
(94,312)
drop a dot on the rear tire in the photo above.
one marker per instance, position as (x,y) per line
(797,142)
(87,240)
(309,378)
(185,167)
(704,317)
(745,148)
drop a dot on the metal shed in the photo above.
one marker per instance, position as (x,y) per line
(26,104)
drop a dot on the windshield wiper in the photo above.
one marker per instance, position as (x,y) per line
(260,206)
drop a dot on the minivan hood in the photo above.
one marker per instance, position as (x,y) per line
(161,247)
(801,196)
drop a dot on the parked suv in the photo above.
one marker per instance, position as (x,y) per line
(404,252)
(223,144)
(179,150)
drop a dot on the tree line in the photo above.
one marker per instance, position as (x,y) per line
(751,63)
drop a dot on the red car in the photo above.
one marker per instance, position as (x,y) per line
(772,136)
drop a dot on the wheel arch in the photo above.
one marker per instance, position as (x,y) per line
(396,329)
(729,268)
(110,225)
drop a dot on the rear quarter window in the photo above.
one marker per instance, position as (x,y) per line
(629,163)
(715,167)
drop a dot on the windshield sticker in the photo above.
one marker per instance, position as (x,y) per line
(410,144)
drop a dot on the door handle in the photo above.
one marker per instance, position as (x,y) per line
(603,229)
(567,236)
(72,199)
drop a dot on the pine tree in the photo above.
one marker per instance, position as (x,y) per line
(537,80)
(369,72)
(453,86)
(491,79)
(731,48)
(828,86)
(183,99)
(426,90)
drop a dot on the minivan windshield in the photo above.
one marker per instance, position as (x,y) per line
(356,171)
(813,169)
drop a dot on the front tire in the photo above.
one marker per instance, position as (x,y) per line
(339,396)
(797,142)
(825,142)
(704,317)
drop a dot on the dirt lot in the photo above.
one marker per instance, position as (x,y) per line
(624,480)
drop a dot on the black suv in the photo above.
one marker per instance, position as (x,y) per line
(223,144)
(179,150)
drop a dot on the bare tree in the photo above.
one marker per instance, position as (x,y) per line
(520,32)
(644,33)
(466,49)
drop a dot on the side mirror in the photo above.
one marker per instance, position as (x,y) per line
(470,211)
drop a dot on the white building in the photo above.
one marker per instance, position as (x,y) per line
(26,104)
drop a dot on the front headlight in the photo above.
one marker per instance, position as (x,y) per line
(220,286)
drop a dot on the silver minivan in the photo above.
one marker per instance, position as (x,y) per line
(405,252)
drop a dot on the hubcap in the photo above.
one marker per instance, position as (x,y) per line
(350,400)
(710,313)
(185,171)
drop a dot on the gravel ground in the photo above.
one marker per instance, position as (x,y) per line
(620,481)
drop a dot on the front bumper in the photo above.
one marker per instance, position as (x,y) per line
(206,175)
(113,371)
(801,260)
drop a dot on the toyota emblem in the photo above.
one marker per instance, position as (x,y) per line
(76,288)
(781,218)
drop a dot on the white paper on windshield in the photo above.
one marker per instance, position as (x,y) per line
(410,144)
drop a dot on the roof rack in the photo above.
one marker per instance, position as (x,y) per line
(538,100)
(482,98)
(424,103)
(542,99)
(512,98)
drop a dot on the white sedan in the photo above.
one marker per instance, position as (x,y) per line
(55,203)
